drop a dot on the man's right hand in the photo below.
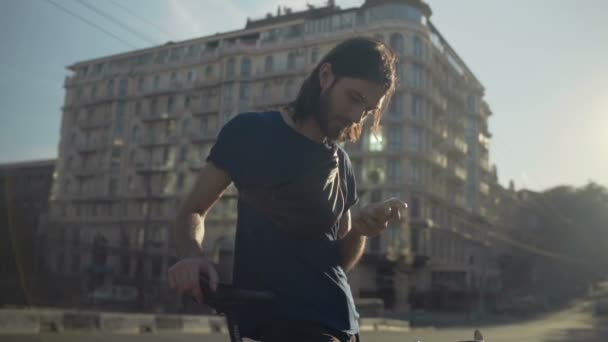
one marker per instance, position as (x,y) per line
(184,276)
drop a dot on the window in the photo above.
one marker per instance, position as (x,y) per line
(266,93)
(183,153)
(417,109)
(414,172)
(153,107)
(376,142)
(418,47)
(227,92)
(417,76)
(110,88)
(269,64)
(123,87)
(244,91)
(415,139)
(156,267)
(394,170)
(156,81)
(113,186)
(190,76)
(140,84)
(191,50)
(120,118)
(134,133)
(185,126)
(170,104)
(314,55)
(204,124)
(394,138)
(230,67)
(397,43)
(125,265)
(289,90)
(173,76)
(471,103)
(291,61)
(180,181)
(94,92)
(165,155)
(209,71)
(245,66)
(137,108)
(395,107)
(187,100)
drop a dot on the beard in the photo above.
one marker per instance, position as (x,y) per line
(325,118)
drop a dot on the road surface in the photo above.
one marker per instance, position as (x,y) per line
(576,323)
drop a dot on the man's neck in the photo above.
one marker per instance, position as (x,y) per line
(308,127)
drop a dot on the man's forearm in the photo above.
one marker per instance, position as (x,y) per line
(351,249)
(189,231)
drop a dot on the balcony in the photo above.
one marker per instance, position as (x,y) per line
(88,147)
(240,48)
(206,109)
(151,117)
(154,166)
(457,174)
(456,121)
(142,193)
(457,201)
(262,74)
(484,141)
(439,101)
(86,171)
(203,136)
(439,159)
(158,140)
(457,146)
(96,123)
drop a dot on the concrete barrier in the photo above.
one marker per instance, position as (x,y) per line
(199,324)
(171,323)
(121,323)
(31,321)
(16,321)
(81,320)
(383,324)
(51,320)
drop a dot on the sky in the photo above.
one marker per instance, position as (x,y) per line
(542,63)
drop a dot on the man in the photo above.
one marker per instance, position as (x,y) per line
(295,235)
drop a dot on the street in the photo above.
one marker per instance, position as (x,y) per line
(576,323)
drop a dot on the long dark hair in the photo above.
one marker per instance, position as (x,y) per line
(362,58)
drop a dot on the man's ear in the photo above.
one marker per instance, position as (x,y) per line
(326,76)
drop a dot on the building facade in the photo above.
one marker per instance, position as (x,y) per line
(138,126)
(25,189)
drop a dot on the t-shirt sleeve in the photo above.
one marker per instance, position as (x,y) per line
(228,152)
(351,197)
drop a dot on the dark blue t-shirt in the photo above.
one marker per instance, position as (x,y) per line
(257,149)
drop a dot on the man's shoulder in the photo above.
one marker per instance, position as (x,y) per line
(251,119)
(343,154)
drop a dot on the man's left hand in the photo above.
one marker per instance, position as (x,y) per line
(374,218)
